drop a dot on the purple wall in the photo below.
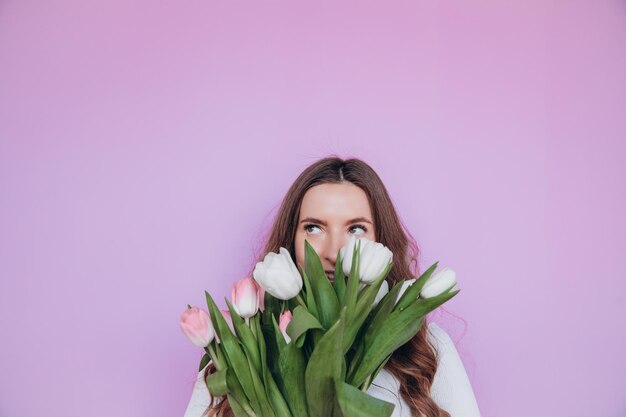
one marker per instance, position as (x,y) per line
(144,148)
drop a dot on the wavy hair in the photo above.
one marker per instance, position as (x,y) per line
(414,364)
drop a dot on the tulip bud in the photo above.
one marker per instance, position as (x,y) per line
(278,275)
(196,325)
(283,322)
(438,283)
(374,258)
(245,298)
(382,291)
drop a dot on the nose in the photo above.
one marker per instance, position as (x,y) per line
(333,244)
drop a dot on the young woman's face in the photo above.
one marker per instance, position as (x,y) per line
(329,215)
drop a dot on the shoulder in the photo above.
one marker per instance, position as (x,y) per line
(439,338)
(435,331)
(451,388)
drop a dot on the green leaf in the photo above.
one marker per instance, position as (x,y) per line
(426,305)
(271,388)
(279,405)
(382,311)
(397,329)
(378,369)
(204,361)
(217,383)
(278,334)
(355,403)
(235,356)
(325,297)
(256,324)
(238,410)
(413,291)
(248,340)
(339,283)
(271,304)
(292,366)
(268,318)
(264,402)
(289,373)
(354,356)
(301,322)
(363,308)
(308,294)
(221,356)
(236,394)
(352,287)
(324,366)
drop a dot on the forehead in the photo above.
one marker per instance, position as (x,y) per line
(335,201)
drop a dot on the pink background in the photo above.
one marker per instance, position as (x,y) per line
(145,146)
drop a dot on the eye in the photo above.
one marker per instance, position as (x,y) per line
(359,226)
(308,226)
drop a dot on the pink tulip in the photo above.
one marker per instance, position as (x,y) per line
(245,297)
(283,322)
(196,325)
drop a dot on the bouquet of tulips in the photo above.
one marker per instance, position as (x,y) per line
(295,343)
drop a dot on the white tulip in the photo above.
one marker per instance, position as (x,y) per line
(382,291)
(373,260)
(278,275)
(438,283)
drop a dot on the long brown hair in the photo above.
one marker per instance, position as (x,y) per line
(414,364)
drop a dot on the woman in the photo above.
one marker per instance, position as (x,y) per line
(329,202)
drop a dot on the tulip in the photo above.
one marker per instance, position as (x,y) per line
(278,275)
(196,325)
(438,283)
(373,260)
(283,322)
(245,298)
(382,291)
(405,286)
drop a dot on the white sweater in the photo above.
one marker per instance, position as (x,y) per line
(451,388)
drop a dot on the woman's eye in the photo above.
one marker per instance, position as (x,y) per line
(358,226)
(307,227)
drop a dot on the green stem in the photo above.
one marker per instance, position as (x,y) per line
(209,349)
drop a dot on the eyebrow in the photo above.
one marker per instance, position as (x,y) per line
(323,223)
